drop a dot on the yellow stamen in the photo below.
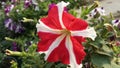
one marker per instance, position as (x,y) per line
(65,31)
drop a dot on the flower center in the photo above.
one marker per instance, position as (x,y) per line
(65,31)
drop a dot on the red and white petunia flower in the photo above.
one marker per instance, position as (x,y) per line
(61,36)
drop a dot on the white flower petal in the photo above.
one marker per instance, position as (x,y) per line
(53,46)
(100,10)
(61,6)
(43,28)
(115,22)
(90,33)
(11,7)
(34,2)
(69,46)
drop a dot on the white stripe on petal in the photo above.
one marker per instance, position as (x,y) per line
(69,46)
(53,45)
(90,33)
(61,6)
(41,27)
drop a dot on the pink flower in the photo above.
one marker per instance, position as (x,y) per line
(117,43)
(62,35)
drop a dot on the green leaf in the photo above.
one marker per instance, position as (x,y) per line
(114,64)
(101,61)
(104,53)
(97,43)
(49,65)
(107,50)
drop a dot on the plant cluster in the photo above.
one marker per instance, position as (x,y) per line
(19,39)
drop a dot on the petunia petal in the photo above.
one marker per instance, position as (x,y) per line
(72,23)
(78,50)
(61,7)
(90,33)
(80,39)
(53,46)
(43,28)
(60,53)
(69,46)
(52,20)
(47,36)
(45,43)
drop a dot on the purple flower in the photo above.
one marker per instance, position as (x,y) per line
(14,27)
(17,28)
(27,3)
(99,10)
(14,46)
(8,8)
(10,27)
(115,22)
(7,22)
